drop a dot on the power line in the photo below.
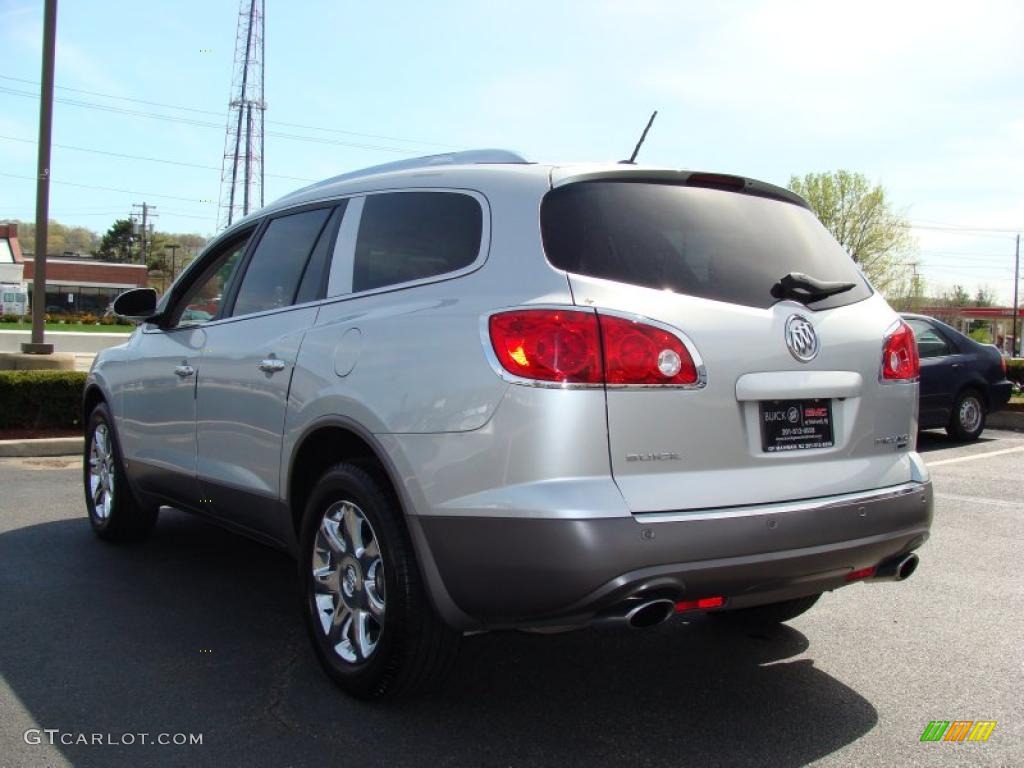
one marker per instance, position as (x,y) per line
(202,124)
(221,115)
(150,159)
(105,189)
(959,227)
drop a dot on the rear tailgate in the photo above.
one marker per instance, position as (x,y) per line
(691,449)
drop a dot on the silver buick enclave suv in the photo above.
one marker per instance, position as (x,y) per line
(471,392)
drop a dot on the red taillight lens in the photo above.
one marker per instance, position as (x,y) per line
(638,353)
(568,346)
(899,356)
(700,604)
(548,345)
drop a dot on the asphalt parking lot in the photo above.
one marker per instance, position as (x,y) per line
(198,631)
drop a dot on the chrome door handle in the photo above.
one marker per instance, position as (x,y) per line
(184,370)
(271,365)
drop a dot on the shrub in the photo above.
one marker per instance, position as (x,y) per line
(41,399)
(88,318)
(12,318)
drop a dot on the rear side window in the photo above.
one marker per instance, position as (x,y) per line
(701,242)
(407,236)
(929,342)
(277,265)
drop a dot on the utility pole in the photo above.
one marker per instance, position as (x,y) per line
(1014,352)
(38,346)
(147,216)
(173,248)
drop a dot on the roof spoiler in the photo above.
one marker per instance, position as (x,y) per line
(721,181)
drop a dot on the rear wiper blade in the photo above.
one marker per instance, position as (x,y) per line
(807,289)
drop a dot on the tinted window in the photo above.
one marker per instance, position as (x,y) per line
(203,298)
(702,242)
(313,279)
(406,236)
(273,274)
(929,342)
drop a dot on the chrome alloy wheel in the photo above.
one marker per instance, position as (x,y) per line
(348,582)
(101,472)
(970,413)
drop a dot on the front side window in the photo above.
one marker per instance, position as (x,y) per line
(202,300)
(273,275)
(408,236)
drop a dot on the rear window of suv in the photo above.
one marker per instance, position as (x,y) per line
(709,243)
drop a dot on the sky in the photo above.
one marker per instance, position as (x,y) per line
(924,98)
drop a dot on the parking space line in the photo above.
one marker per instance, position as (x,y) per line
(977,500)
(974,456)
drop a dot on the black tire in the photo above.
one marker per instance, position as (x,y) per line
(124,518)
(414,649)
(767,615)
(967,421)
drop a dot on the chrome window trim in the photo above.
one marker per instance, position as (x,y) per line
(495,363)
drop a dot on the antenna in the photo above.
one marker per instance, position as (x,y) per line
(636,150)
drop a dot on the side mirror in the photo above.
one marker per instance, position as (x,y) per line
(136,304)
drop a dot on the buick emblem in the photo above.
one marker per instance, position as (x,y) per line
(801,338)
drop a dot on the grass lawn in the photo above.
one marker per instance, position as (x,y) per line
(77,327)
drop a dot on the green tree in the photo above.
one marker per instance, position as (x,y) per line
(116,243)
(861,217)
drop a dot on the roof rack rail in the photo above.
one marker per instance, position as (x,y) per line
(466,157)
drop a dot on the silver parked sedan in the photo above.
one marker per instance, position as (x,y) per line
(470,392)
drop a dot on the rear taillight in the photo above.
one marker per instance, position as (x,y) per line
(639,353)
(548,345)
(899,355)
(569,346)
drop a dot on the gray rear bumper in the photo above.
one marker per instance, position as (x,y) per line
(506,571)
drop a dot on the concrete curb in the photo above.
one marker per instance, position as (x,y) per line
(48,446)
(1006,420)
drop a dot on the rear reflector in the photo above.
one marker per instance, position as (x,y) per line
(700,604)
(863,573)
(899,355)
(572,346)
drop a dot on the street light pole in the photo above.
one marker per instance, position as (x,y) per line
(38,345)
(1014,351)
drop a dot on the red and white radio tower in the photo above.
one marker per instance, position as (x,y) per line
(241,178)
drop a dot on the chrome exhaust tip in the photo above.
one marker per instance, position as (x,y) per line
(637,613)
(650,613)
(898,569)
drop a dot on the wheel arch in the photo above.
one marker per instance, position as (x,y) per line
(91,397)
(978,385)
(334,439)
